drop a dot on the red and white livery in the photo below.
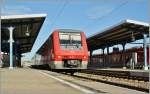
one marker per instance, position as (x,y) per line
(65,49)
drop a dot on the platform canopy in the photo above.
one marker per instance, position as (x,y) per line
(125,32)
(26,29)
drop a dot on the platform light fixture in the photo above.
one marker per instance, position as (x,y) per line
(27,32)
(132,37)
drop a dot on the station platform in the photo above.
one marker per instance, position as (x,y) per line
(33,81)
(30,81)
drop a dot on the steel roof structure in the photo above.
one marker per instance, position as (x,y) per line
(121,33)
(23,24)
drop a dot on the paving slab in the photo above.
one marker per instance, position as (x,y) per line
(29,81)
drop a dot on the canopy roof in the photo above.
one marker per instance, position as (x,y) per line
(124,32)
(26,30)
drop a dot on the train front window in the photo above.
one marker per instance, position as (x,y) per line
(70,40)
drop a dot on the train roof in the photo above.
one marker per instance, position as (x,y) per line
(68,30)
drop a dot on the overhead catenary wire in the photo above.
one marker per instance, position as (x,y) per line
(108,14)
(60,12)
(57,16)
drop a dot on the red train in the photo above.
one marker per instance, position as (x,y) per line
(131,58)
(65,49)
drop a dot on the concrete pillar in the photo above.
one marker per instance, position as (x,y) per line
(11,46)
(145,52)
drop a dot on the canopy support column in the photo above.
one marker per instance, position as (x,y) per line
(107,64)
(103,49)
(107,50)
(11,46)
(18,54)
(91,56)
(145,52)
(124,63)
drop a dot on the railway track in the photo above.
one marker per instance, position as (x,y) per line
(118,74)
(123,79)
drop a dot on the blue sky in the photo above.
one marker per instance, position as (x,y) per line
(90,16)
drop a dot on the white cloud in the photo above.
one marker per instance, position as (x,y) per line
(10,10)
(98,12)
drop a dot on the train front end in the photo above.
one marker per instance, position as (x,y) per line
(70,50)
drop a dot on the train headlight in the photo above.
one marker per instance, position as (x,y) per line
(59,56)
(84,57)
